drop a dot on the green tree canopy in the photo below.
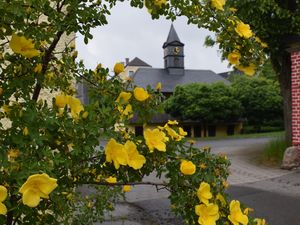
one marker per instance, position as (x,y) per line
(209,103)
(260,98)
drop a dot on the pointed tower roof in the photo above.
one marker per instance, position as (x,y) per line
(173,38)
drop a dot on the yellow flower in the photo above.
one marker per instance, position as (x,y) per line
(172,122)
(128,110)
(204,193)
(23,46)
(116,153)
(135,160)
(182,132)
(123,97)
(172,133)
(218,4)
(221,199)
(202,166)
(248,210)
(187,167)
(76,107)
(234,57)
(159,3)
(225,184)
(111,180)
(12,154)
(25,131)
(249,70)
(243,30)
(155,139)
(232,9)
(118,68)
(61,100)
(158,86)
(260,221)
(263,44)
(38,68)
(140,94)
(236,216)
(126,188)
(3,196)
(85,115)
(36,187)
(208,214)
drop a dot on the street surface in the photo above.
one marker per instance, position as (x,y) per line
(272,192)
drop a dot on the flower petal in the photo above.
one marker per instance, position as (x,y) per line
(31,198)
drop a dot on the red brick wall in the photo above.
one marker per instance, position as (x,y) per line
(295,57)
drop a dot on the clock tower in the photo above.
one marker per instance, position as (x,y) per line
(173,53)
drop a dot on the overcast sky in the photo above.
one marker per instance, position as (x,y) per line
(132,33)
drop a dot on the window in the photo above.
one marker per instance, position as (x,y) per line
(138,130)
(197,131)
(230,129)
(211,131)
(130,73)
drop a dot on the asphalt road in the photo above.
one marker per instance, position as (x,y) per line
(273,193)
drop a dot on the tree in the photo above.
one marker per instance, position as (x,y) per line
(50,143)
(275,23)
(260,98)
(208,103)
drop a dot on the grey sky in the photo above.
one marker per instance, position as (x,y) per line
(131,32)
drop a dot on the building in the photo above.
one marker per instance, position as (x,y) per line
(173,74)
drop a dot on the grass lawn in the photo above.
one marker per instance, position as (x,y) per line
(275,134)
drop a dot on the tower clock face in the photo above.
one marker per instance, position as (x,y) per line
(176,50)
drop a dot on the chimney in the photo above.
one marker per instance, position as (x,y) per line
(126,61)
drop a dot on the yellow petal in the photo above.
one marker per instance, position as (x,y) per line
(3,209)
(31,198)
(3,193)
(126,188)
(140,94)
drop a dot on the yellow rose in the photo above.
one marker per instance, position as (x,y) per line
(243,30)
(126,188)
(208,214)
(36,187)
(111,180)
(218,4)
(38,68)
(236,216)
(25,131)
(61,100)
(158,86)
(135,160)
(155,139)
(248,70)
(204,193)
(3,196)
(23,46)
(260,221)
(187,167)
(123,97)
(140,94)
(118,68)
(234,57)
(116,153)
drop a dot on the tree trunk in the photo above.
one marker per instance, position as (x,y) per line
(282,65)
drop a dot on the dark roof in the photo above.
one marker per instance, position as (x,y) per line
(138,62)
(173,38)
(151,76)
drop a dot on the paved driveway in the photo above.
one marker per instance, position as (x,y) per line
(273,193)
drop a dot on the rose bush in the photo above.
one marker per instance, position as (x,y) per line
(52,144)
